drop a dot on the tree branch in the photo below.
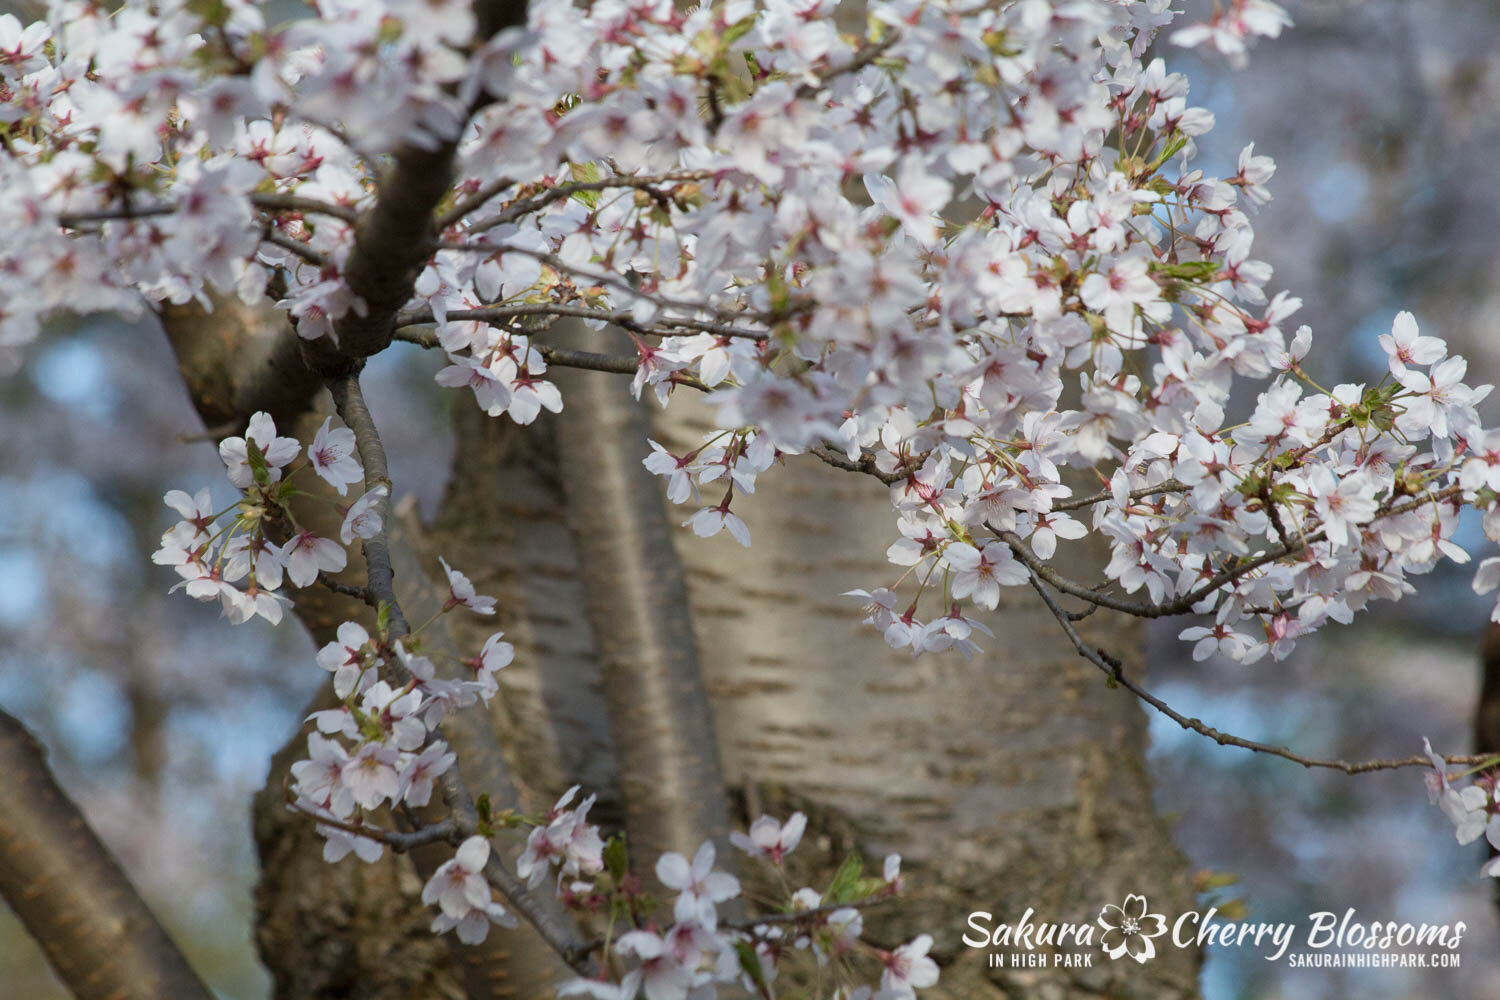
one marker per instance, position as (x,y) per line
(1115,671)
(540,201)
(98,934)
(668,327)
(395,237)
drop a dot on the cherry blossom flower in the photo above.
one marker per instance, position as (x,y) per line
(711,520)
(362,519)
(332,457)
(980,574)
(664,975)
(459,889)
(419,771)
(345,657)
(1438,397)
(338,843)
(1468,808)
(771,839)
(908,969)
(699,887)
(277,451)
(307,555)
(1406,346)
(677,472)
(461,591)
(495,655)
(319,779)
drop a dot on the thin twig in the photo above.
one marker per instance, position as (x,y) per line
(622,284)
(864,57)
(397,840)
(1170,486)
(290,245)
(472,203)
(1185,603)
(306,206)
(666,327)
(1115,671)
(348,590)
(535,203)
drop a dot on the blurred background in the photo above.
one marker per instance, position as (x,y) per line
(1384,119)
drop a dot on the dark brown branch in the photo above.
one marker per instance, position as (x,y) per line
(98,934)
(348,590)
(269,202)
(400,841)
(472,203)
(303,206)
(75,220)
(562,357)
(865,464)
(350,402)
(395,237)
(1115,671)
(297,247)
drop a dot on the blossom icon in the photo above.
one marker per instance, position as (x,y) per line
(1130,928)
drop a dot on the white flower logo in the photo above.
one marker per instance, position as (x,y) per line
(1130,928)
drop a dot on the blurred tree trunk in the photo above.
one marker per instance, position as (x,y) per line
(1017,780)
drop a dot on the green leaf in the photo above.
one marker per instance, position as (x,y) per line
(737,30)
(1206,880)
(1171,149)
(1187,270)
(616,857)
(585,173)
(213,13)
(257,460)
(845,880)
(750,965)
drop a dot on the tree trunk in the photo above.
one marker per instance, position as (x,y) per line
(1016,780)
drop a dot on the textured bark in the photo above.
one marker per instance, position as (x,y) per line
(98,934)
(348,929)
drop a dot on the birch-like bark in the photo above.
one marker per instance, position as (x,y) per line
(97,932)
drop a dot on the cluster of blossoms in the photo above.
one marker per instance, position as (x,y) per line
(698,950)
(213,557)
(895,248)
(960,251)
(375,747)
(377,750)
(1474,809)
